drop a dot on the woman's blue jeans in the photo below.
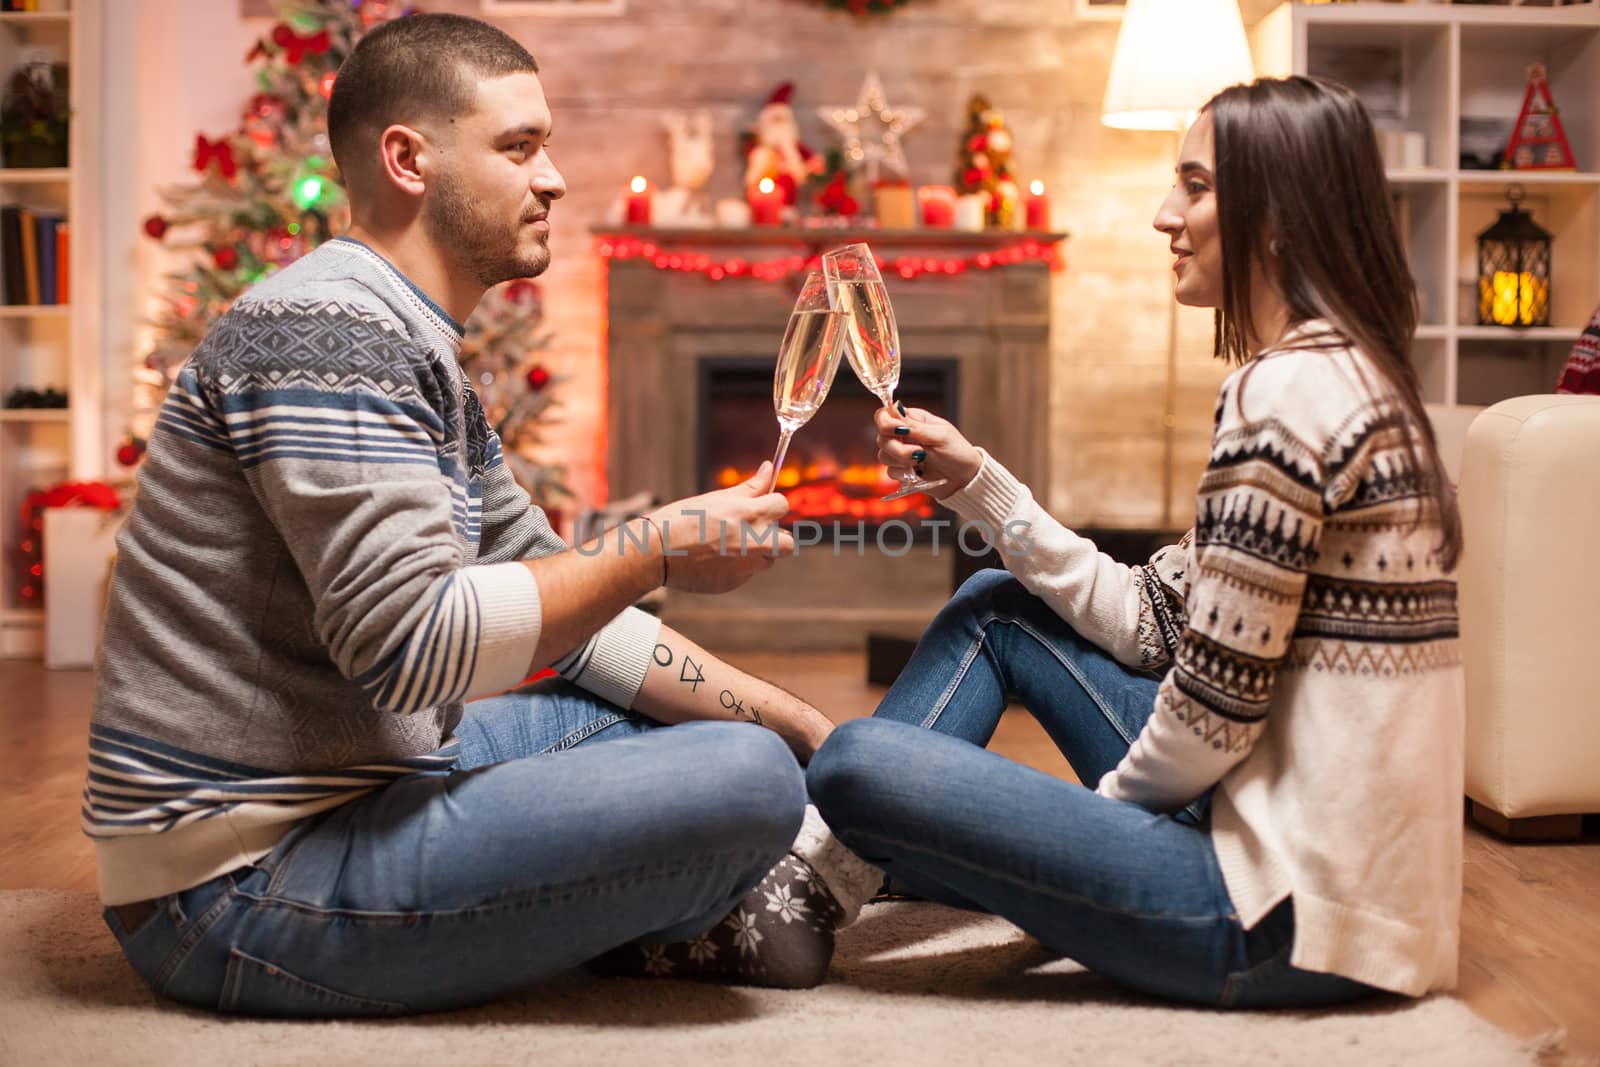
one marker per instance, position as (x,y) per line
(1134,896)
(542,849)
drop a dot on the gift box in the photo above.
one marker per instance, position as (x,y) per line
(79,546)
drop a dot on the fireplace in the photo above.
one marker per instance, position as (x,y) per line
(689,408)
(831,476)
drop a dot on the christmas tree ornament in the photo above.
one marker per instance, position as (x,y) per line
(773,149)
(873,131)
(983,163)
(1538,141)
(690,150)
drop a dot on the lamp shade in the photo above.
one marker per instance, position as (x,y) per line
(1172,56)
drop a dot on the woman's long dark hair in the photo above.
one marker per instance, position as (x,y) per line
(1299,180)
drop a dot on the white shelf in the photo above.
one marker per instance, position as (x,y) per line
(1418,176)
(35,414)
(1443,70)
(34,175)
(1499,179)
(35,311)
(35,18)
(1519,333)
(54,344)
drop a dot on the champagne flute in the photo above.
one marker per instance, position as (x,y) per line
(873,346)
(807,362)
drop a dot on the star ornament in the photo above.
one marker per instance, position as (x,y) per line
(872,130)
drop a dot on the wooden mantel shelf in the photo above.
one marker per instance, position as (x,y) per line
(820,236)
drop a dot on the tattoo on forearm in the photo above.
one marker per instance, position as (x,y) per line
(691,674)
(733,704)
(690,665)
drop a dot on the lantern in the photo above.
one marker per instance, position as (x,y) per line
(1514,269)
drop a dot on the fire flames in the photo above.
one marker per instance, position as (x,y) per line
(824,491)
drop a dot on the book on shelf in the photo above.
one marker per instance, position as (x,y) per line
(33,256)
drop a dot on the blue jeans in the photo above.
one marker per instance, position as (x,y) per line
(1134,896)
(543,848)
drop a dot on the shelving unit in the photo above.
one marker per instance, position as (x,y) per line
(53,345)
(1449,72)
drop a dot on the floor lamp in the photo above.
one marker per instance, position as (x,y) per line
(1171,57)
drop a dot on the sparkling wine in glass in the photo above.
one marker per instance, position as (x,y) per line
(807,362)
(872,339)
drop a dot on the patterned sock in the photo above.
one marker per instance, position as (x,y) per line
(780,935)
(852,880)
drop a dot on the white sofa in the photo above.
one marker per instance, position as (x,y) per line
(1529,580)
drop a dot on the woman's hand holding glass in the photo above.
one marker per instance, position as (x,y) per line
(919,443)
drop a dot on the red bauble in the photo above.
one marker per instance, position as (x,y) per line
(226,257)
(977,143)
(155,227)
(538,378)
(127,454)
(972,177)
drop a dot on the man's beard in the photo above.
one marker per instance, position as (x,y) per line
(483,245)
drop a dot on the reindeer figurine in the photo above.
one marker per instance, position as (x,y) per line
(685,203)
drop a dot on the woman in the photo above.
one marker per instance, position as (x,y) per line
(1268,713)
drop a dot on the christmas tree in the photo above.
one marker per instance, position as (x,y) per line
(983,162)
(268,192)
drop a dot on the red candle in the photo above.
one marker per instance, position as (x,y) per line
(638,202)
(766,203)
(938,206)
(1038,207)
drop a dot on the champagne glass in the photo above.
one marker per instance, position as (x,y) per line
(807,362)
(873,346)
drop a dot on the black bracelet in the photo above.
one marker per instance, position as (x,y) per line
(652,524)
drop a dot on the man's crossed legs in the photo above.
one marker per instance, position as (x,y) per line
(568,828)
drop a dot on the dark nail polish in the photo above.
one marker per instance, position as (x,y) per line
(918,470)
(919,455)
(902,430)
(900,404)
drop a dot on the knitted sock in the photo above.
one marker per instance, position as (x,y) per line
(781,934)
(850,879)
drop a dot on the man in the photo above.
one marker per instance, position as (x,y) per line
(292,813)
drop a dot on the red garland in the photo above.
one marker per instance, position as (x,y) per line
(772,270)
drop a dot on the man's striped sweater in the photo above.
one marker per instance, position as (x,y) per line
(320,566)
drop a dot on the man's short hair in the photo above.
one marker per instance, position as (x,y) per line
(414,68)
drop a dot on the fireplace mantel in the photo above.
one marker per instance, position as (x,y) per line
(992,324)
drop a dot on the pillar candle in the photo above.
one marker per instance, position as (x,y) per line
(972,211)
(938,206)
(766,203)
(638,202)
(1038,207)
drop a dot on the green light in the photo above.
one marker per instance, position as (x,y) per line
(294,228)
(308,192)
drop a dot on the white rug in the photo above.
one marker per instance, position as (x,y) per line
(912,984)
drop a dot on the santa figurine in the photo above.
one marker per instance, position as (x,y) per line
(774,149)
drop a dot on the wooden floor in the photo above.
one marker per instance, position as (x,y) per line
(1530,959)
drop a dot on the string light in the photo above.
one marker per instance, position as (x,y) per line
(780,267)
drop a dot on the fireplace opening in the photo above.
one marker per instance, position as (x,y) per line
(831,473)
